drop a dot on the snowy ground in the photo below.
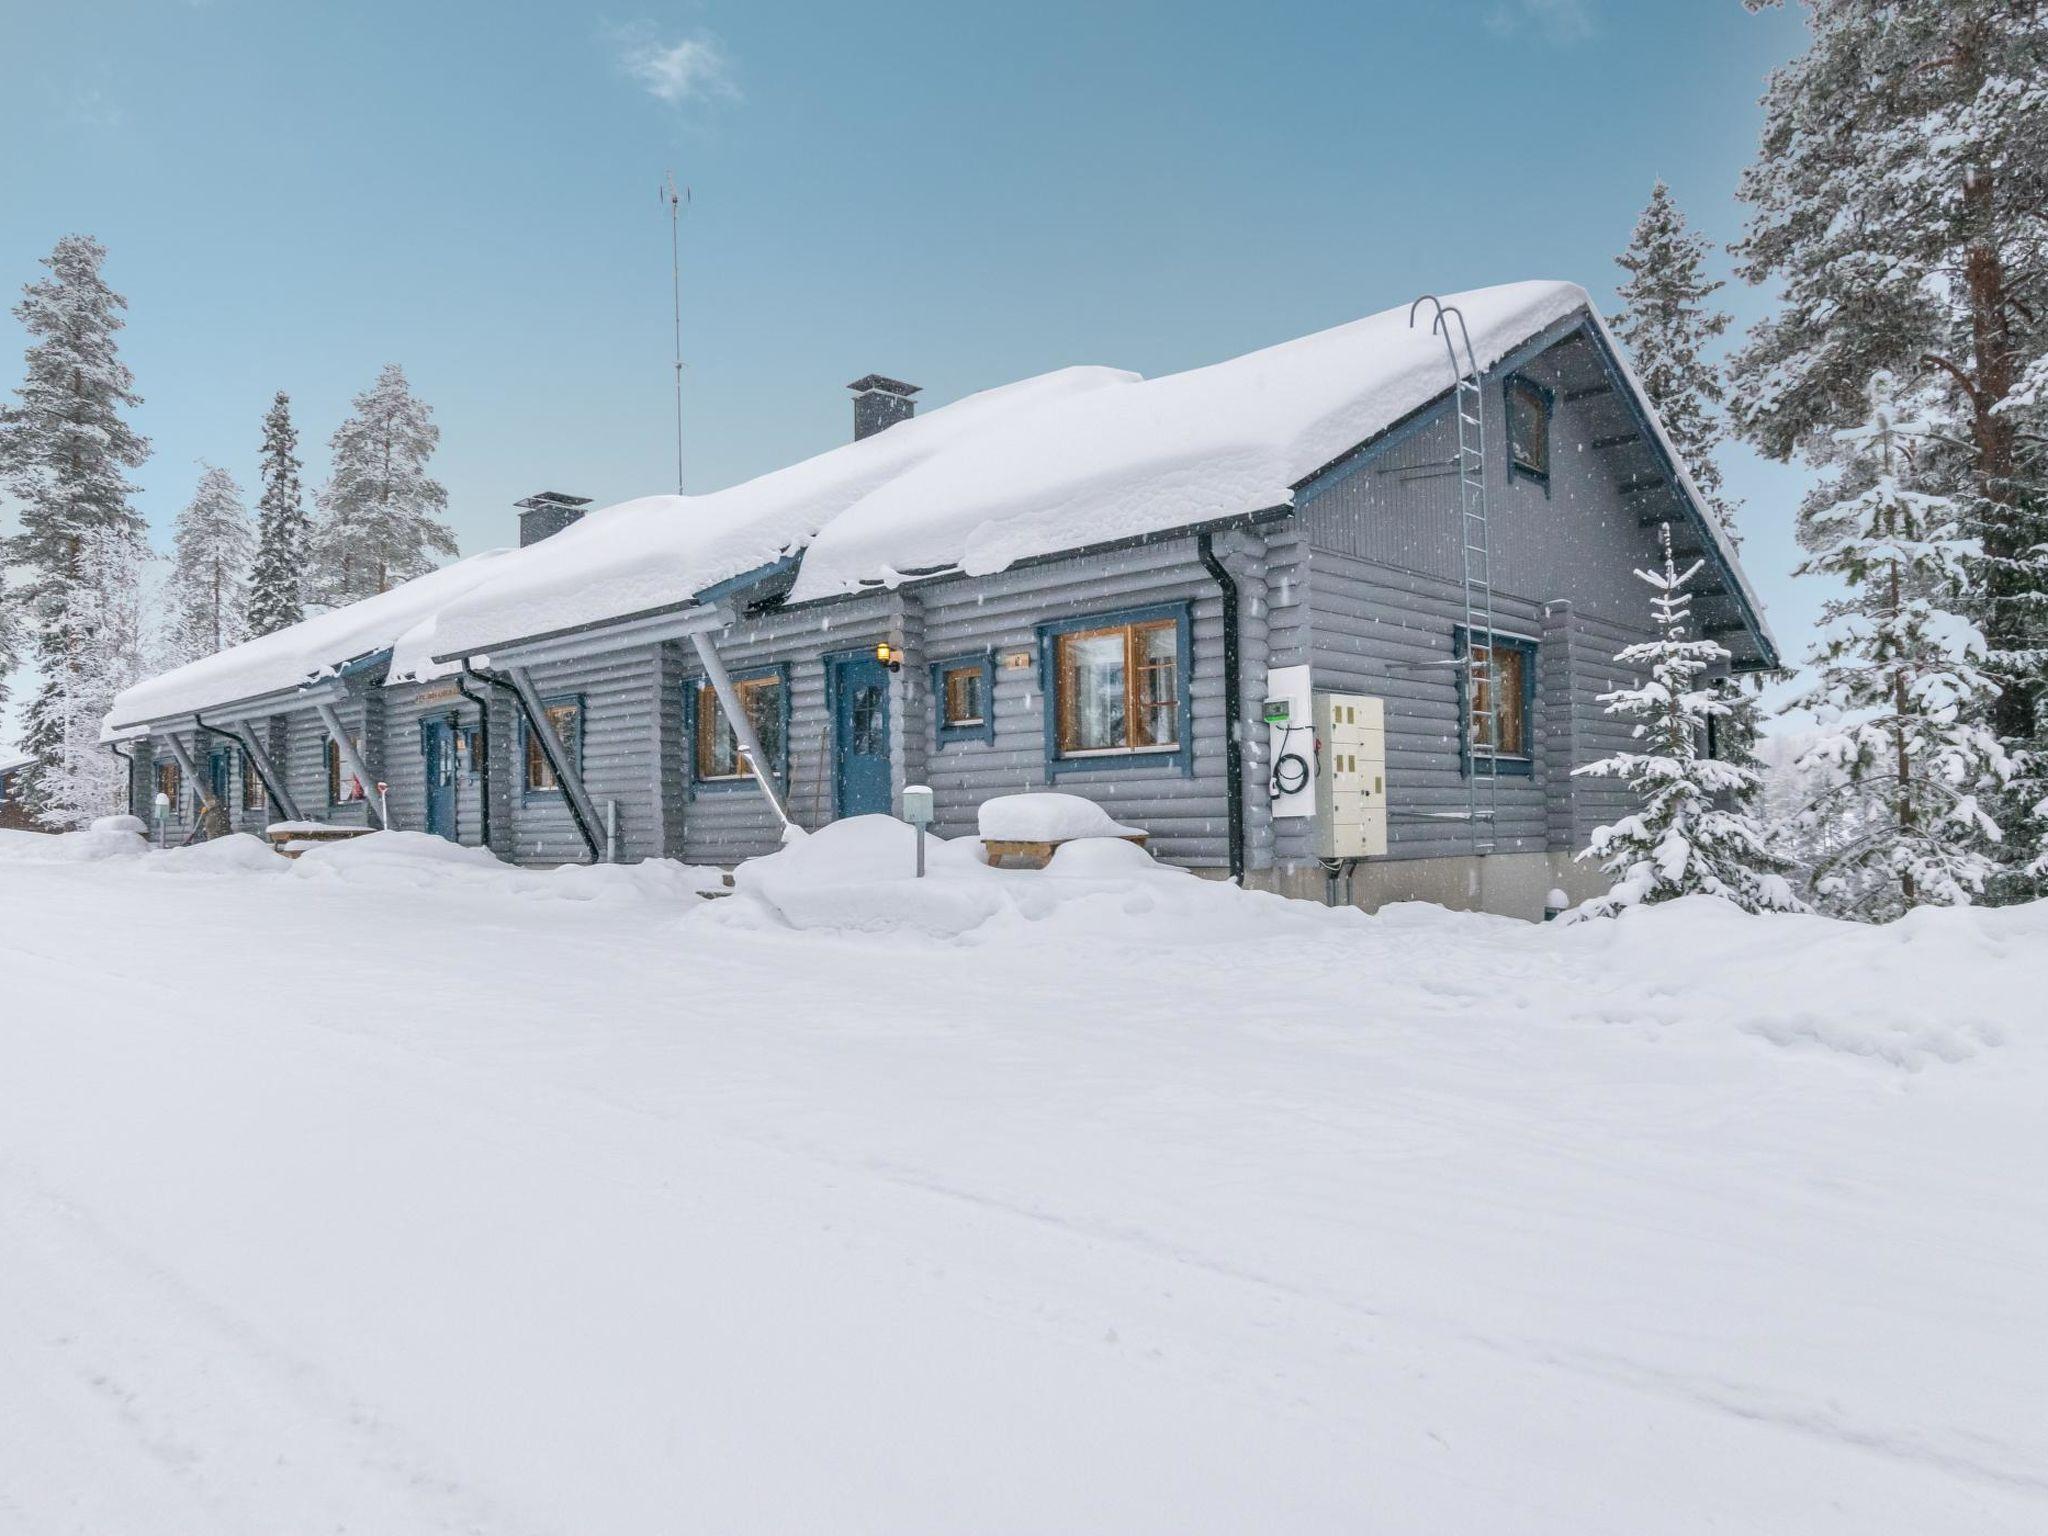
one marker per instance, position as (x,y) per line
(393,1194)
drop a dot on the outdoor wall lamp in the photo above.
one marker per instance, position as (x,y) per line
(889,656)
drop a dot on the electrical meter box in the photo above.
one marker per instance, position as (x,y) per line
(1351,776)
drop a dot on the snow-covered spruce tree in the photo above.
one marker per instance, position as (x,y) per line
(284,535)
(78,778)
(1666,323)
(1688,838)
(64,447)
(1897,202)
(1899,687)
(377,523)
(208,570)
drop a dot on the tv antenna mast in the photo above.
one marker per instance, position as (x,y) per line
(675,197)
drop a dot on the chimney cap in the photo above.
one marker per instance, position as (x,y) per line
(541,499)
(883,383)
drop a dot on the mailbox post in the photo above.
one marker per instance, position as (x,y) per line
(917,810)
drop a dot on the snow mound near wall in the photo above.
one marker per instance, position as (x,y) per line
(1045,815)
(82,847)
(859,876)
(239,854)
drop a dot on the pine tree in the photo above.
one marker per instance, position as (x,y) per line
(377,525)
(1666,324)
(78,779)
(63,449)
(277,581)
(1900,687)
(1688,838)
(209,570)
(1897,203)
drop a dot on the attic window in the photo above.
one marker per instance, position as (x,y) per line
(1528,413)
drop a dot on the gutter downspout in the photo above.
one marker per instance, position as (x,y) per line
(129,758)
(483,726)
(1233,707)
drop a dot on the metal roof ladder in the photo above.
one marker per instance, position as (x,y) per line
(1481,698)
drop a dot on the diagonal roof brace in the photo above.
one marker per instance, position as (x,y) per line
(556,751)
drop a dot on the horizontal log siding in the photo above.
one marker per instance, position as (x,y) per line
(1389,634)
(723,824)
(619,759)
(405,764)
(1596,734)
(1184,814)
(304,763)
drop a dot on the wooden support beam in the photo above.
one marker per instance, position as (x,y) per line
(557,753)
(1618,440)
(352,759)
(273,781)
(1590,392)
(742,727)
(1642,483)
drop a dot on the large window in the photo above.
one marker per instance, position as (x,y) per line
(963,694)
(716,751)
(1503,684)
(565,718)
(1118,686)
(1528,412)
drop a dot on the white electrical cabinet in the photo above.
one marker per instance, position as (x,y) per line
(1351,776)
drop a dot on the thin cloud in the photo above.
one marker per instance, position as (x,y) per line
(691,69)
(1557,21)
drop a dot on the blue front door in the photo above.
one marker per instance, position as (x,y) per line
(860,688)
(438,743)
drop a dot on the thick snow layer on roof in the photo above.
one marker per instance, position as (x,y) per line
(1060,461)
(659,550)
(307,650)
(1164,453)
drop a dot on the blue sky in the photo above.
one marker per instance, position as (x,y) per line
(957,194)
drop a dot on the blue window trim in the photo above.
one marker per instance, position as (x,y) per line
(986,730)
(527,793)
(779,771)
(1548,397)
(1520,767)
(1179,758)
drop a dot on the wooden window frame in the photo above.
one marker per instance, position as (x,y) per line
(250,777)
(944,728)
(700,706)
(337,773)
(1518,383)
(170,782)
(1505,764)
(1177,755)
(529,746)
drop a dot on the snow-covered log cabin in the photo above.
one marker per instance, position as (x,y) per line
(1334,616)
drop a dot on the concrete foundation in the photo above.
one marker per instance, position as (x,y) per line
(1512,884)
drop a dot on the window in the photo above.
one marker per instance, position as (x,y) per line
(1528,413)
(1507,696)
(343,787)
(169,781)
(1118,687)
(963,694)
(565,719)
(473,752)
(254,796)
(716,751)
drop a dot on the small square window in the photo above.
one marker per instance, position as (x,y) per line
(963,698)
(1528,413)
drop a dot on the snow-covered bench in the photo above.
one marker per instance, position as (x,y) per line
(1029,828)
(292,838)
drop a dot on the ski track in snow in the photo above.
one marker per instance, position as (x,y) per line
(435,1210)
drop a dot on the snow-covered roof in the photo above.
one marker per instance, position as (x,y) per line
(306,651)
(10,761)
(1068,459)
